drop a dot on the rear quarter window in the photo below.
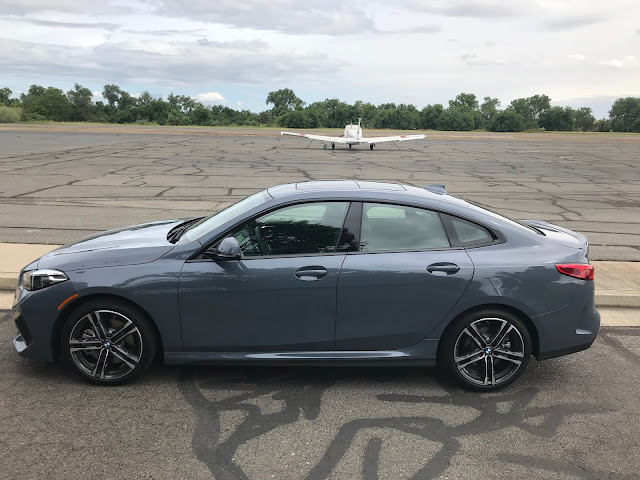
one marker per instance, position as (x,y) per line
(464,233)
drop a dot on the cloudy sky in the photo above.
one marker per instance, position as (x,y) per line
(579,52)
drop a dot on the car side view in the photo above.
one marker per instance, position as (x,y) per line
(328,272)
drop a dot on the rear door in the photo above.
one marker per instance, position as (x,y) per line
(401,283)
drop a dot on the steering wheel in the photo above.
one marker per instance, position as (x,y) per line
(262,245)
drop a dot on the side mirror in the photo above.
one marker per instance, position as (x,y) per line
(229,249)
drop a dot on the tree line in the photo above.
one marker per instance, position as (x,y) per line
(464,113)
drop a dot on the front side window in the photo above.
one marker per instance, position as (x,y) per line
(396,228)
(305,229)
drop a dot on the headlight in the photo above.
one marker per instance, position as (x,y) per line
(38,279)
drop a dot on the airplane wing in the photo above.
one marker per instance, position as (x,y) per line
(397,138)
(320,138)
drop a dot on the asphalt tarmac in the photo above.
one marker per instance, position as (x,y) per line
(575,417)
(58,186)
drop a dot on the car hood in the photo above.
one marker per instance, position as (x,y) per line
(125,246)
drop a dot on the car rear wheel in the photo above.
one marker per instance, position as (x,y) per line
(486,350)
(108,343)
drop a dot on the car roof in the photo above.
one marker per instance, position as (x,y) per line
(357,187)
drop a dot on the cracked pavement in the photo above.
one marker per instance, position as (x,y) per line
(58,186)
(567,418)
(575,417)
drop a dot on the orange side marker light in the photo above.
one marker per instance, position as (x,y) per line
(61,306)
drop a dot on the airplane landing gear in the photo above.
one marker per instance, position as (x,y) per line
(350,145)
(371,146)
(333,146)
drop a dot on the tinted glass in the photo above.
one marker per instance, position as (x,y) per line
(396,227)
(310,228)
(469,233)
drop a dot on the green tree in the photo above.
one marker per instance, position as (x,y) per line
(298,119)
(265,118)
(46,103)
(531,108)
(585,120)
(429,116)
(456,119)
(81,103)
(369,114)
(625,115)
(200,115)
(464,100)
(284,100)
(507,121)
(602,125)
(558,119)
(10,114)
(5,95)
(489,108)
(112,94)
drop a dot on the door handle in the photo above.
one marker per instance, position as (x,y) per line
(444,267)
(314,273)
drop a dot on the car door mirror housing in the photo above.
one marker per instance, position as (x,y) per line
(228,249)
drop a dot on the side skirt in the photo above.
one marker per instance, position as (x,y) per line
(330,358)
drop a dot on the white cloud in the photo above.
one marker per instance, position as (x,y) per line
(406,51)
(210,97)
(628,61)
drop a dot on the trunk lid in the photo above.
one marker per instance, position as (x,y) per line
(562,235)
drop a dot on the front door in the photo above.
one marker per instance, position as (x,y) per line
(402,282)
(281,296)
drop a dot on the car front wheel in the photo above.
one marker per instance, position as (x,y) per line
(108,343)
(486,350)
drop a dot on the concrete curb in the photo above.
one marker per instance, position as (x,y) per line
(618,299)
(8,281)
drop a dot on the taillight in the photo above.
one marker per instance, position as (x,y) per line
(583,271)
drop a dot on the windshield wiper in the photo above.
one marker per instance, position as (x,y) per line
(176,232)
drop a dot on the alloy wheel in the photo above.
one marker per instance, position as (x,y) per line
(105,345)
(489,351)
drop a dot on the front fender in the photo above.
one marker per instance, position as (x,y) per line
(153,288)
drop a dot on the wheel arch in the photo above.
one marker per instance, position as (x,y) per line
(533,331)
(73,306)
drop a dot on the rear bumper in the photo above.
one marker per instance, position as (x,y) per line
(570,329)
(564,351)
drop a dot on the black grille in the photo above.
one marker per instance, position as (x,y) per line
(24,330)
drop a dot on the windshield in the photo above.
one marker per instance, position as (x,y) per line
(208,224)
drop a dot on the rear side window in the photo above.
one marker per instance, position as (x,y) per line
(397,227)
(465,233)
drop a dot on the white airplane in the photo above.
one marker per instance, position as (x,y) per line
(353,136)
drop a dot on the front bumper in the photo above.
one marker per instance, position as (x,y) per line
(35,315)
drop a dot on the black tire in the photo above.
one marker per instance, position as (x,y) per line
(113,336)
(484,361)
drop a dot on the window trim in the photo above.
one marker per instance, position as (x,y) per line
(496,237)
(198,256)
